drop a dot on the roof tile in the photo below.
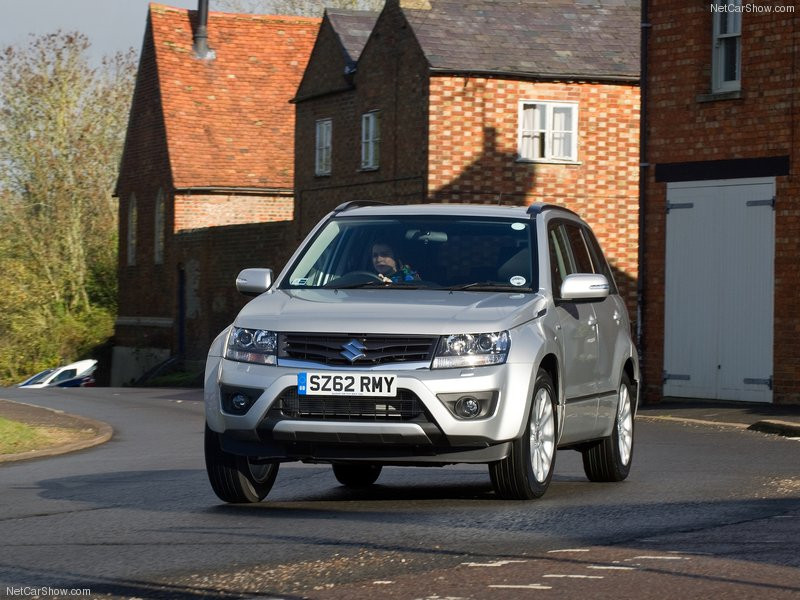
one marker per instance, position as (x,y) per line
(228,120)
(583,38)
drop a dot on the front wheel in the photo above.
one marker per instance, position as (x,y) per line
(356,475)
(610,459)
(237,479)
(527,470)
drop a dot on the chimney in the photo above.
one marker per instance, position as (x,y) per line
(201,49)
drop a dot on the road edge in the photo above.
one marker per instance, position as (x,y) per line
(104,433)
(769,426)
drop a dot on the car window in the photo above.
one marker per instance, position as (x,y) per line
(436,252)
(560,265)
(580,252)
(38,378)
(599,260)
(64,375)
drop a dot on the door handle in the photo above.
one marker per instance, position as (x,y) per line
(592,321)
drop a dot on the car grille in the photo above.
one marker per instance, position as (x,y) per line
(377,349)
(406,406)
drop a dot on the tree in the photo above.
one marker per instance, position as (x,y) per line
(62,126)
(312,8)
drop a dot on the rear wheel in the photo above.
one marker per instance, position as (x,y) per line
(237,479)
(527,470)
(357,475)
(610,459)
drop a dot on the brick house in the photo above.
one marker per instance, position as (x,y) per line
(721,234)
(480,101)
(206,178)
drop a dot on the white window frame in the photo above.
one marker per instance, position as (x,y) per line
(370,140)
(731,22)
(159,229)
(133,218)
(323,146)
(531,136)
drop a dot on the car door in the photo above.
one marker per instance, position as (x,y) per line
(578,336)
(612,321)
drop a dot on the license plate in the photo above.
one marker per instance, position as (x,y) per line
(346,384)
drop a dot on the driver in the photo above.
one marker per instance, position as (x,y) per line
(389,267)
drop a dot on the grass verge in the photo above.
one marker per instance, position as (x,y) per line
(17,437)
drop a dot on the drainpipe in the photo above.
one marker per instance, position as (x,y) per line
(201,49)
(643,175)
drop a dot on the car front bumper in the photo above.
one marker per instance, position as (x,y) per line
(436,436)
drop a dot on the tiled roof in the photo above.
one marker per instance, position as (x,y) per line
(228,120)
(353,28)
(551,38)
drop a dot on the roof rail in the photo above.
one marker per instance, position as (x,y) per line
(538,208)
(357,204)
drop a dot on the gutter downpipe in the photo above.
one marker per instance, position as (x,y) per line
(201,49)
(643,173)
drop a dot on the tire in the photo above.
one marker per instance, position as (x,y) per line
(610,459)
(237,479)
(526,472)
(357,475)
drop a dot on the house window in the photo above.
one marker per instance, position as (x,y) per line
(132,221)
(322,162)
(158,229)
(548,131)
(726,62)
(370,140)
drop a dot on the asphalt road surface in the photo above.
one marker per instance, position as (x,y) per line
(706,511)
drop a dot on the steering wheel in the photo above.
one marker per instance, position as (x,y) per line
(369,274)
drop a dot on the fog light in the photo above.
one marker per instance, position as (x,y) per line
(470,404)
(240,402)
(468,407)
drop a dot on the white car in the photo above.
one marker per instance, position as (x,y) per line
(60,375)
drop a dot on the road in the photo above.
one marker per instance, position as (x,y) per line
(706,511)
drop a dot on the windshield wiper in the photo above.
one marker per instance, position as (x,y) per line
(406,285)
(487,286)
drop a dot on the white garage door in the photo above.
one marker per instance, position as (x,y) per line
(719,289)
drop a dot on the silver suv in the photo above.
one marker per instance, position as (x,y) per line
(426,335)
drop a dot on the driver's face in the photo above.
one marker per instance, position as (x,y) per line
(383,260)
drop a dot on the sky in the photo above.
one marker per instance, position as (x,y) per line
(110,25)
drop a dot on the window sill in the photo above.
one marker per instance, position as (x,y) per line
(328,174)
(715,96)
(368,169)
(544,161)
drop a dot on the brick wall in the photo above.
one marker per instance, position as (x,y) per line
(196,211)
(473,126)
(447,138)
(207,261)
(685,124)
(208,239)
(210,260)
(391,78)
(146,289)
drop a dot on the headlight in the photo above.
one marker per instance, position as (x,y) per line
(252,346)
(472,350)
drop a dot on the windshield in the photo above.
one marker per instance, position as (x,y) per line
(412,252)
(38,378)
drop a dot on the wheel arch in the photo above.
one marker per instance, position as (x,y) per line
(550,364)
(629,368)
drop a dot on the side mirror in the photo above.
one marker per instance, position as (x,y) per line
(253,282)
(584,286)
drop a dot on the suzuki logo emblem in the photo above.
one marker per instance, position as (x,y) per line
(353,350)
